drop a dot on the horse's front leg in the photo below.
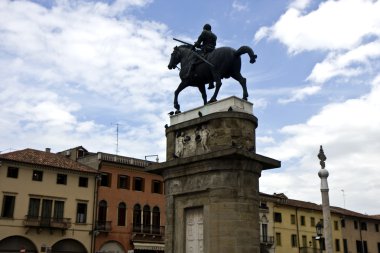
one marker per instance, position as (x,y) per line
(218,82)
(181,86)
(202,90)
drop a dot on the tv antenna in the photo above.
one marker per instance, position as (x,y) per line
(344,199)
(117,136)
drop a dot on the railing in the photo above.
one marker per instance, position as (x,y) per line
(103,226)
(47,222)
(148,229)
(266,239)
(123,160)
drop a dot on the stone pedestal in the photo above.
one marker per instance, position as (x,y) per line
(211,179)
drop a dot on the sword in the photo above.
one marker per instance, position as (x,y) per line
(196,54)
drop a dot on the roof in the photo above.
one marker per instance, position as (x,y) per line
(37,157)
(281,199)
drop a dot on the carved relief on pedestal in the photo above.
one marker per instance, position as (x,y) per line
(192,141)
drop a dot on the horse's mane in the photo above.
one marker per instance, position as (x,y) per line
(185,46)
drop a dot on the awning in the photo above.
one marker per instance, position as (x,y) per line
(149,246)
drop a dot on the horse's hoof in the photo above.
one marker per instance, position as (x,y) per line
(245,98)
(177,112)
(212,100)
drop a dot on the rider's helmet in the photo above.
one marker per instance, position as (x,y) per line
(207,27)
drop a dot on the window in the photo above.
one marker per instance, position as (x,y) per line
(156,220)
(58,209)
(336,225)
(61,179)
(81,213)
(34,208)
(106,180)
(304,241)
(146,219)
(263,205)
(37,175)
(292,219)
(278,239)
(343,223)
(138,184)
(121,214)
(303,222)
(137,218)
(277,217)
(294,240)
(123,182)
(363,225)
(312,221)
(8,206)
(378,247)
(345,247)
(377,228)
(12,172)
(83,182)
(355,224)
(102,214)
(337,245)
(361,247)
(156,186)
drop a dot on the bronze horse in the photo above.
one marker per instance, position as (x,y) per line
(226,63)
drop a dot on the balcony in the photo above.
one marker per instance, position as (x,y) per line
(47,222)
(103,226)
(266,240)
(148,233)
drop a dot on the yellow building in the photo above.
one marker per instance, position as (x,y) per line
(292,225)
(46,203)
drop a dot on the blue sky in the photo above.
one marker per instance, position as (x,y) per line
(71,70)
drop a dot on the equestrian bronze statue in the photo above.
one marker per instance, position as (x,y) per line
(198,69)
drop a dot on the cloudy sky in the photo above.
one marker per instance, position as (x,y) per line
(72,71)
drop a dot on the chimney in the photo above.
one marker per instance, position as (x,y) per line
(47,150)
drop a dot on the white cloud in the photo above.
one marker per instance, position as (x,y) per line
(238,6)
(74,59)
(348,131)
(349,64)
(334,25)
(300,94)
(347,31)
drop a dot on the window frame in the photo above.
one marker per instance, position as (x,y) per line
(12,172)
(155,184)
(61,179)
(83,182)
(81,219)
(37,175)
(141,184)
(8,206)
(277,217)
(123,178)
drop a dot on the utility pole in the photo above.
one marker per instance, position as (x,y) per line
(323,174)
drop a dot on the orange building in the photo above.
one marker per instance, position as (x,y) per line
(130,212)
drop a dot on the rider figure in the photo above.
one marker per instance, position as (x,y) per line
(206,42)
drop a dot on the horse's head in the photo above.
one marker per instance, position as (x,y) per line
(174,58)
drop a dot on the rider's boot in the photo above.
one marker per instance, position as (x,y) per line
(211,86)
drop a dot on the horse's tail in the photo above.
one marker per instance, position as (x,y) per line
(246,50)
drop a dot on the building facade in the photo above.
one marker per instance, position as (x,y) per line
(130,207)
(47,203)
(289,225)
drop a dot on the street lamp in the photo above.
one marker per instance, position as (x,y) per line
(319,228)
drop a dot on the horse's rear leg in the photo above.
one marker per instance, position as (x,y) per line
(243,82)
